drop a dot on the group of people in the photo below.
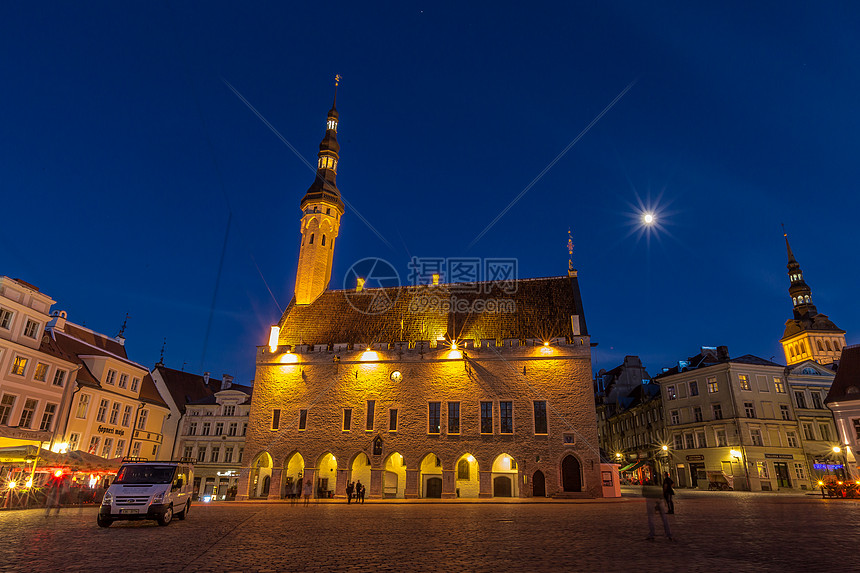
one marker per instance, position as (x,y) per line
(657,501)
(355,490)
(298,489)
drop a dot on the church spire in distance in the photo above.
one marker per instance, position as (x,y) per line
(798,290)
(322,209)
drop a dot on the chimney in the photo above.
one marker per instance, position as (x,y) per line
(226,381)
(58,321)
(722,353)
(206,378)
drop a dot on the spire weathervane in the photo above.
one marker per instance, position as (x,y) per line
(122,328)
(569,250)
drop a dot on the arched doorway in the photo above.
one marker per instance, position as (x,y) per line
(467,482)
(326,476)
(261,475)
(394,480)
(361,471)
(505,476)
(571,476)
(431,476)
(538,484)
(294,469)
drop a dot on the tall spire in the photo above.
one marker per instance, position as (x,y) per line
(324,188)
(791,258)
(798,290)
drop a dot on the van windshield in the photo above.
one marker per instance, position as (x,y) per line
(139,474)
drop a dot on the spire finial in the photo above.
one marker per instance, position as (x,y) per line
(336,83)
(569,250)
(161,357)
(787,246)
(122,328)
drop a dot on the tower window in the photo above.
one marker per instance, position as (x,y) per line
(807,298)
(827,344)
(820,348)
(311,242)
(323,241)
(328,211)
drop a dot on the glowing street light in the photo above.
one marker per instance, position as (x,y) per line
(665,448)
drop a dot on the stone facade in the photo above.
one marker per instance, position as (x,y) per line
(404,460)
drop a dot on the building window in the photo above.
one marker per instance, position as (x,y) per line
(506,417)
(229,410)
(59,377)
(679,442)
(214,454)
(233,429)
(347,419)
(244,428)
(486,417)
(123,380)
(371,414)
(32,329)
(41,372)
(694,388)
(141,420)
(126,416)
(749,409)
(5,318)
(718,411)
(6,405)
(228,455)
(48,417)
(433,423)
(135,382)
(106,448)
(675,417)
(276,420)
(688,441)
(219,428)
(392,420)
(792,439)
(808,431)
(19,366)
(816,400)
(192,429)
(463,469)
(670,392)
(755,434)
(700,440)
(94,445)
(201,454)
(800,398)
(697,413)
(102,411)
(453,417)
(74,439)
(798,471)
(712,384)
(780,387)
(824,430)
(206,428)
(241,453)
(722,442)
(120,448)
(303,421)
(855,422)
(784,412)
(83,406)
(114,412)
(540,417)
(189,451)
(744,381)
(111,377)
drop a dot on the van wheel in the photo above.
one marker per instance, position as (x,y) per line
(104,521)
(184,513)
(166,517)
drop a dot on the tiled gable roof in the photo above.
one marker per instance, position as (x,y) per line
(184,387)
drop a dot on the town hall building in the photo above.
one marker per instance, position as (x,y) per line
(446,390)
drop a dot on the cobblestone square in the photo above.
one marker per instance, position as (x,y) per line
(714,532)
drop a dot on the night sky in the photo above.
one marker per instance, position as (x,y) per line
(123,154)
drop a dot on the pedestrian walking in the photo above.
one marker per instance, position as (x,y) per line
(350,487)
(669,493)
(308,489)
(296,491)
(360,488)
(654,503)
(55,490)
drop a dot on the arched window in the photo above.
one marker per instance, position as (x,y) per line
(794,300)
(323,241)
(802,348)
(820,348)
(807,298)
(791,351)
(827,344)
(463,469)
(311,242)
(836,345)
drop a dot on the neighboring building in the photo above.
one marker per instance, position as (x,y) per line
(630,419)
(404,390)
(34,373)
(213,433)
(732,415)
(810,335)
(809,382)
(844,400)
(116,409)
(178,389)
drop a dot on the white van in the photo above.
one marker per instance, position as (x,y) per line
(149,490)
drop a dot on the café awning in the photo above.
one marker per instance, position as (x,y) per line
(634,466)
(76,460)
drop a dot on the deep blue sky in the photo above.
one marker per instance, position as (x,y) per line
(121,153)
